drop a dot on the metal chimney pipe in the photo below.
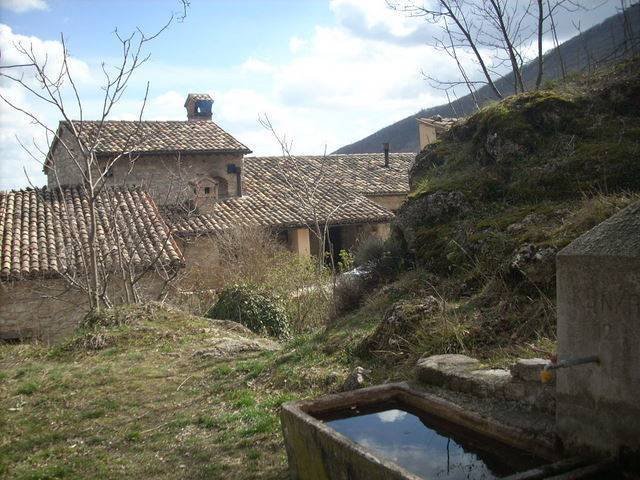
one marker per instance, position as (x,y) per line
(239,181)
(385,146)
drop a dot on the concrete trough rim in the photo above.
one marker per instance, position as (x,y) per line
(435,405)
(444,409)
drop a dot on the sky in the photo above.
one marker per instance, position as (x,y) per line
(325,72)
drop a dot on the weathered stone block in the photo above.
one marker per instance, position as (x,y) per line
(598,288)
(528,369)
(462,374)
(442,369)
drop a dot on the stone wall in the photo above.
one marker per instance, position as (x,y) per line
(165,176)
(45,309)
(201,262)
(64,171)
(426,134)
(390,202)
(49,309)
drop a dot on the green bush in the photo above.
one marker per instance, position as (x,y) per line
(250,306)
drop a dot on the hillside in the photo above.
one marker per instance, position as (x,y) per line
(602,42)
(502,192)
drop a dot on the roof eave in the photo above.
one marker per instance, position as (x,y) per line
(244,151)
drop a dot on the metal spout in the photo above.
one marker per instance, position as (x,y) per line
(546,375)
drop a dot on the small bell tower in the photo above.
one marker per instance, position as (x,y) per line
(198,106)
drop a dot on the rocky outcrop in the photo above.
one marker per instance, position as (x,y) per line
(536,263)
(356,379)
(438,207)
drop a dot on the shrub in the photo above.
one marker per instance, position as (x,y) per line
(369,251)
(253,308)
(384,258)
(348,293)
(254,256)
(392,260)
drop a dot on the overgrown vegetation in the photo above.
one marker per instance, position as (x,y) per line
(254,256)
(503,192)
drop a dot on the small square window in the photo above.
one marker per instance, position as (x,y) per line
(207,190)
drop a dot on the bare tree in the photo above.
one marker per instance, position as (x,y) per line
(54,86)
(495,33)
(303,182)
(453,13)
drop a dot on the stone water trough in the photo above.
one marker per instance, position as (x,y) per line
(317,450)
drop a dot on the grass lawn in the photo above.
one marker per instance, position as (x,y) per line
(145,406)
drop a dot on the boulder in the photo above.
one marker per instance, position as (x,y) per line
(536,263)
(356,379)
(437,207)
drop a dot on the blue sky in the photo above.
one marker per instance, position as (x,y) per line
(326,72)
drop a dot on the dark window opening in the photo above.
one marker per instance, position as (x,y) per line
(207,190)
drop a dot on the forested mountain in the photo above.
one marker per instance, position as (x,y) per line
(601,43)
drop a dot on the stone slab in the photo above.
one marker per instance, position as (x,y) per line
(461,373)
(528,369)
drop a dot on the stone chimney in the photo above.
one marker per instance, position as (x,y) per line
(198,106)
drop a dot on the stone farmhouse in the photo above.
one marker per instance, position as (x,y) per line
(429,129)
(44,252)
(170,187)
(200,177)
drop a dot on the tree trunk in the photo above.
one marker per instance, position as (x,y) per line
(540,27)
(472,44)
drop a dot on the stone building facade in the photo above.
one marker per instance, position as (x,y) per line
(43,255)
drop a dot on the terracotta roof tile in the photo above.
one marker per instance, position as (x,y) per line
(273,199)
(156,136)
(363,173)
(45,232)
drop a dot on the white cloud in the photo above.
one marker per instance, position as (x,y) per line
(21,6)
(14,161)
(296,44)
(376,20)
(11,43)
(390,416)
(254,65)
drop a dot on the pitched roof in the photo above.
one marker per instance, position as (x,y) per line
(45,232)
(363,173)
(273,199)
(116,136)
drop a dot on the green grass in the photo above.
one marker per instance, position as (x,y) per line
(132,410)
